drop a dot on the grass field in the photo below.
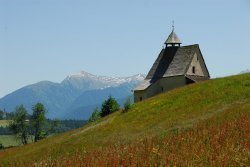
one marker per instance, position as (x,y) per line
(204,124)
(4,123)
(9,140)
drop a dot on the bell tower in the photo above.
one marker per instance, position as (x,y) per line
(173,39)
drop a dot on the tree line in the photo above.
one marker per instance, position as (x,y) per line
(36,126)
(25,126)
(4,115)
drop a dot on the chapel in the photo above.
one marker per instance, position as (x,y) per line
(174,67)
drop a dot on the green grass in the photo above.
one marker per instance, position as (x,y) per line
(212,103)
(4,123)
(9,140)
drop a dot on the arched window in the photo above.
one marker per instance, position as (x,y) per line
(193,69)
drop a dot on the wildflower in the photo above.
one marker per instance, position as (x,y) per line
(155,150)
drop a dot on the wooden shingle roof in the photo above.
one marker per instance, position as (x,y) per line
(173,61)
(173,39)
(144,85)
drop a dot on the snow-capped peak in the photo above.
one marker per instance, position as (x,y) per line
(82,78)
(84,74)
(139,76)
(81,74)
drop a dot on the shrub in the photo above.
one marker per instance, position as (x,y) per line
(1,146)
(127,105)
(95,115)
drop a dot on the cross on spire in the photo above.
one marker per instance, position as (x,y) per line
(173,25)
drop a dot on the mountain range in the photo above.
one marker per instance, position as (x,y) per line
(75,97)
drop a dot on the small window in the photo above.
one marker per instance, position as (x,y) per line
(197,58)
(193,69)
(162,89)
(140,98)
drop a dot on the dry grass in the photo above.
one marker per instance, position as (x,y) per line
(222,140)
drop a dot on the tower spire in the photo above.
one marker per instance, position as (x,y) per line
(173,39)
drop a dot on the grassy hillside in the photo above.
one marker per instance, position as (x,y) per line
(204,124)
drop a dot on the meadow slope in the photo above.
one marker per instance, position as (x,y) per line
(204,124)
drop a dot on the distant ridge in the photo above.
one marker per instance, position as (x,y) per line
(59,98)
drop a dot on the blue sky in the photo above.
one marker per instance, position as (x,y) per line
(50,39)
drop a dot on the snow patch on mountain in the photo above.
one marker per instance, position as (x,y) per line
(245,71)
(82,78)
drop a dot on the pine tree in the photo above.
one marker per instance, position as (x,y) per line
(38,121)
(109,106)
